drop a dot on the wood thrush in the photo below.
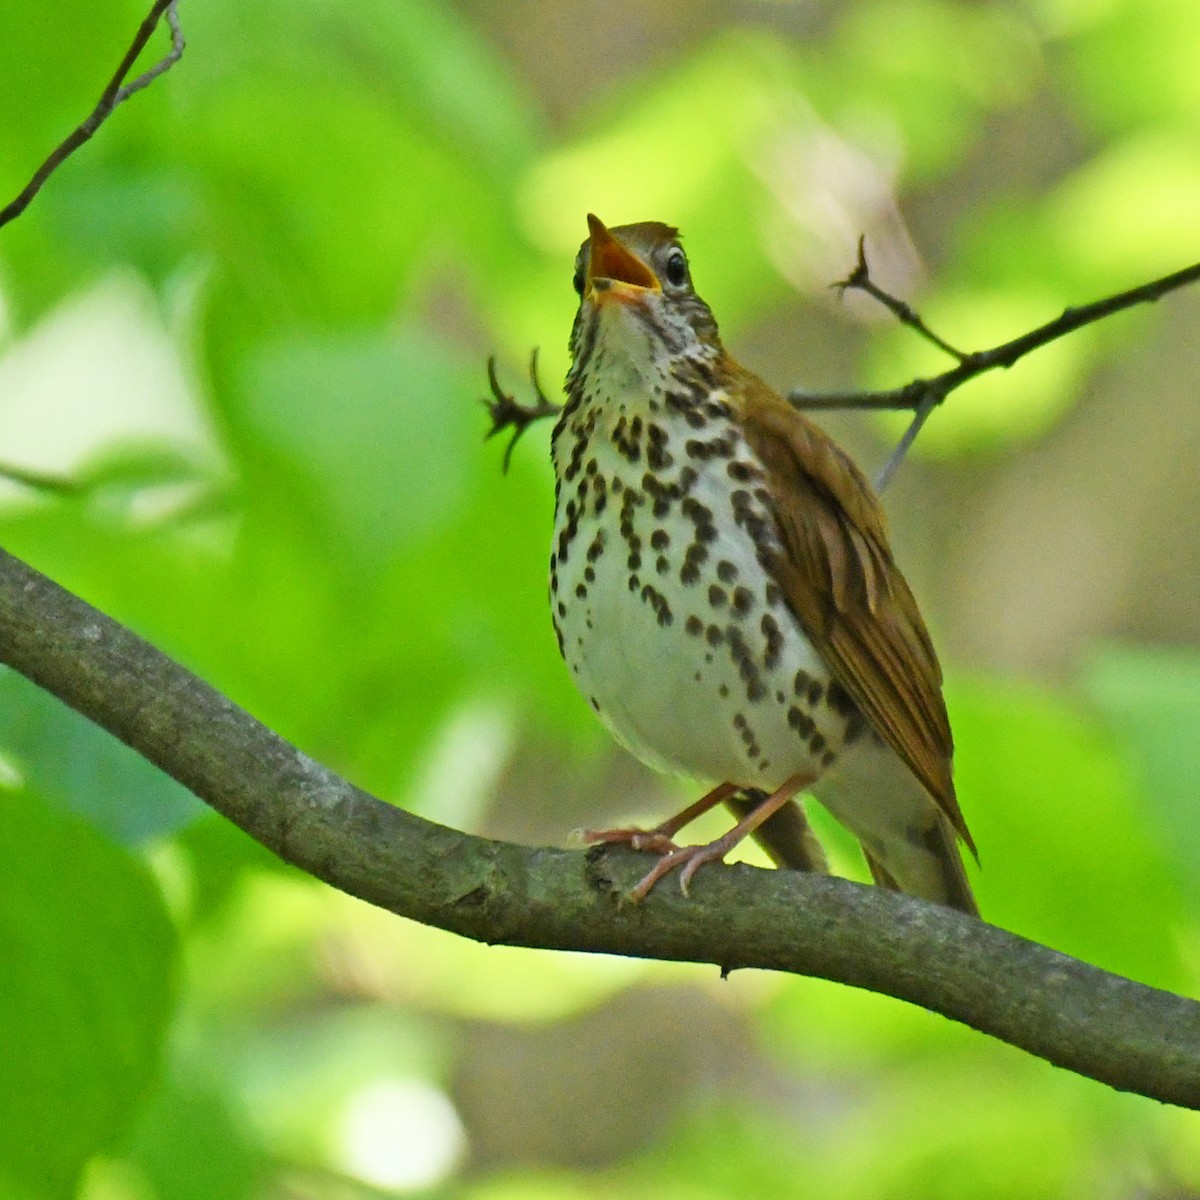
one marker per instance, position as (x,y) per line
(725,596)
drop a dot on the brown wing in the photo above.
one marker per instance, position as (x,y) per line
(838,575)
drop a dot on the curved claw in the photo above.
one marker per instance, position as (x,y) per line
(704,854)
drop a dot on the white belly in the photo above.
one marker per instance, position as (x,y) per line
(675,633)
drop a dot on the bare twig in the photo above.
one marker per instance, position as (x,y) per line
(117,92)
(146,78)
(924,395)
(889,468)
(915,394)
(507,413)
(1122,1033)
(859,280)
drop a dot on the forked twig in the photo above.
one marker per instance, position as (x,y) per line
(922,396)
(117,92)
(859,280)
(507,413)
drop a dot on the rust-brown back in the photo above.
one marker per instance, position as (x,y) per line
(839,577)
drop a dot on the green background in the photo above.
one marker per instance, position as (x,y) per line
(252,317)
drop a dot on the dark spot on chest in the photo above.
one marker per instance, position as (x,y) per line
(693,558)
(839,700)
(800,721)
(743,600)
(626,437)
(774,639)
(658,457)
(658,602)
(743,472)
(743,659)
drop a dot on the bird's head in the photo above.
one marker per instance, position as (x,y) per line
(635,291)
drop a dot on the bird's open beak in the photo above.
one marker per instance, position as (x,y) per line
(613,271)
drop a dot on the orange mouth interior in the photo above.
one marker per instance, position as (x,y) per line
(610,260)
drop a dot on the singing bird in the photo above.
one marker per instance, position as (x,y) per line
(725,596)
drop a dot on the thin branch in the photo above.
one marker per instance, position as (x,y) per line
(889,468)
(916,394)
(508,413)
(859,280)
(1129,1036)
(924,395)
(117,92)
(146,78)
(921,396)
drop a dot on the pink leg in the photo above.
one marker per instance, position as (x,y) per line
(692,858)
(660,837)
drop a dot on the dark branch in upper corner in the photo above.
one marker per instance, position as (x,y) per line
(117,92)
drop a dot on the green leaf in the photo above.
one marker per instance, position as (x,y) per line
(1129,63)
(1127,214)
(1069,855)
(373,422)
(421,56)
(87,955)
(927,73)
(192,1144)
(67,759)
(1150,699)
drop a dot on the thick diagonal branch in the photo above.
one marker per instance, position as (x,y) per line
(1119,1032)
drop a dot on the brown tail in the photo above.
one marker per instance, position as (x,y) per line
(931,868)
(785,836)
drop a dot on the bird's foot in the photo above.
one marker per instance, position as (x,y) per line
(658,840)
(687,860)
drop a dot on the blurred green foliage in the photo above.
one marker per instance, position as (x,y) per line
(89,968)
(329,215)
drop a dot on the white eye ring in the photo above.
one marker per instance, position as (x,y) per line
(676,268)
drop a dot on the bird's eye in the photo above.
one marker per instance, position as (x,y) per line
(677,272)
(577,282)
